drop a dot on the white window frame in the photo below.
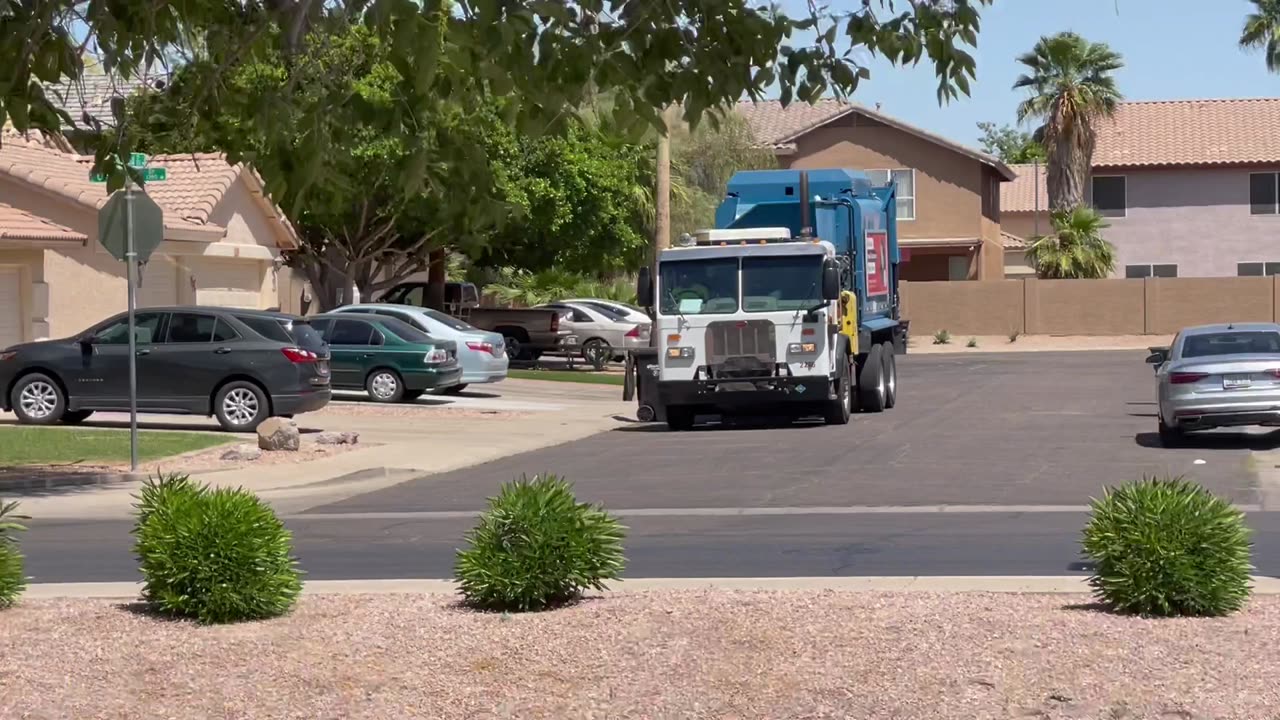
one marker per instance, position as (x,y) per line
(1263,263)
(1276,207)
(1094,201)
(1151,266)
(915,209)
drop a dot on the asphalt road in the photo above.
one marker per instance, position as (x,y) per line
(1011,432)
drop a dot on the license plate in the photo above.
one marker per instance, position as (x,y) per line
(1235,382)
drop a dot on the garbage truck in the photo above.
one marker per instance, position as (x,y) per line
(789,306)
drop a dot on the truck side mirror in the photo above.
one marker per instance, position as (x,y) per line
(644,288)
(830,280)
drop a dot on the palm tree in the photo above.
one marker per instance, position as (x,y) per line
(1075,249)
(1071,90)
(1262,30)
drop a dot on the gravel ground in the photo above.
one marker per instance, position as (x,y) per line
(701,654)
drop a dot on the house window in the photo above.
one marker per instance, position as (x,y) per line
(906,180)
(1109,193)
(1263,196)
(1257,269)
(1153,270)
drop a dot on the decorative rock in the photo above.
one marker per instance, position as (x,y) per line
(278,434)
(242,453)
(337,438)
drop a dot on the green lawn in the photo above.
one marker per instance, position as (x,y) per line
(62,445)
(574,376)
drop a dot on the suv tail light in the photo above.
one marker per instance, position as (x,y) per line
(1185,378)
(555,322)
(298,355)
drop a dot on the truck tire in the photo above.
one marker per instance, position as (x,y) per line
(872,381)
(679,419)
(837,411)
(891,375)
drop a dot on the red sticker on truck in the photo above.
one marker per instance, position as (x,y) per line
(877,264)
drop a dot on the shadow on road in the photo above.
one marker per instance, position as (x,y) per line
(1215,441)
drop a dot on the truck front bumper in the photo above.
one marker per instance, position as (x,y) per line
(745,393)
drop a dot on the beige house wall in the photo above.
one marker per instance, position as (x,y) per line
(73,286)
(1151,306)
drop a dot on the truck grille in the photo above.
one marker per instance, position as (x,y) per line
(741,347)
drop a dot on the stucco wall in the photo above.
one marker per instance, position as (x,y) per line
(1023,225)
(1156,306)
(948,185)
(1197,218)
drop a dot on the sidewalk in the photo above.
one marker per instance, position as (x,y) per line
(923,344)
(400,447)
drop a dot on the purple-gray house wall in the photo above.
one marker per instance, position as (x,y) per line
(1196,218)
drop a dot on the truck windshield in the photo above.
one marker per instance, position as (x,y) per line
(699,287)
(786,282)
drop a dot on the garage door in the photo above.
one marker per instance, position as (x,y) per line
(159,282)
(229,283)
(10,308)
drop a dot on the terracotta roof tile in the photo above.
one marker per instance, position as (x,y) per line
(16,224)
(1012,242)
(779,127)
(1020,195)
(92,94)
(193,185)
(1191,132)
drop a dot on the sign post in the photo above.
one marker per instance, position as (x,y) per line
(130,227)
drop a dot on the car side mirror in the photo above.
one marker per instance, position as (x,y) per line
(830,280)
(1158,356)
(644,288)
(87,341)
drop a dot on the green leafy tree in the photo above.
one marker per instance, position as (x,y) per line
(1262,32)
(1075,249)
(543,55)
(1010,144)
(360,225)
(703,159)
(576,192)
(1071,89)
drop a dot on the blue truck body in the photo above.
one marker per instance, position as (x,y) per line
(843,208)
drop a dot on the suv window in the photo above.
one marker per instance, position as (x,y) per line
(198,328)
(348,332)
(305,336)
(146,330)
(269,328)
(408,295)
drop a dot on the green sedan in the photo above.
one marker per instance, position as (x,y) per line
(386,357)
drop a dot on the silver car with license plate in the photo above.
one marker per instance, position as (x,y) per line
(1215,376)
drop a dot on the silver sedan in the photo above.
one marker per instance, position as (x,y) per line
(1218,376)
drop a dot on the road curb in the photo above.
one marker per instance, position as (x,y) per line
(67,480)
(1029,584)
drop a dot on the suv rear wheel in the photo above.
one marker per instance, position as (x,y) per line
(241,406)
(37,400)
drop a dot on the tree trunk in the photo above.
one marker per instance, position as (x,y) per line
(1069,163)
(436,279)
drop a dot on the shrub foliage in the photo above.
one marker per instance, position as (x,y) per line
(1168,547)
(213,555)
(537,547)
(13,577)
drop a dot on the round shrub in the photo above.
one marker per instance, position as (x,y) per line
(213,555)
(1168,547)
(537,547)
(13,578)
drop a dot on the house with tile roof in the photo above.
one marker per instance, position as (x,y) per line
(1191,188)
(223,240)
(949,194)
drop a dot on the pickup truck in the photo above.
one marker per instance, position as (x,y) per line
(528,332)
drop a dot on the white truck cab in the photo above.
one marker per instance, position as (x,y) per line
(746,318)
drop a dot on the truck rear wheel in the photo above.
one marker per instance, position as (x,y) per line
(837,411)
(873,381)
(891,375)
(679,419)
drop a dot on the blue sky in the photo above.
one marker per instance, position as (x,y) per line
(1173,49)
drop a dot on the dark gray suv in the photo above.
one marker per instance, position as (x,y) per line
(240,366)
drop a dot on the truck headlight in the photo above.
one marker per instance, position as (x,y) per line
(680,353)
(802,348)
